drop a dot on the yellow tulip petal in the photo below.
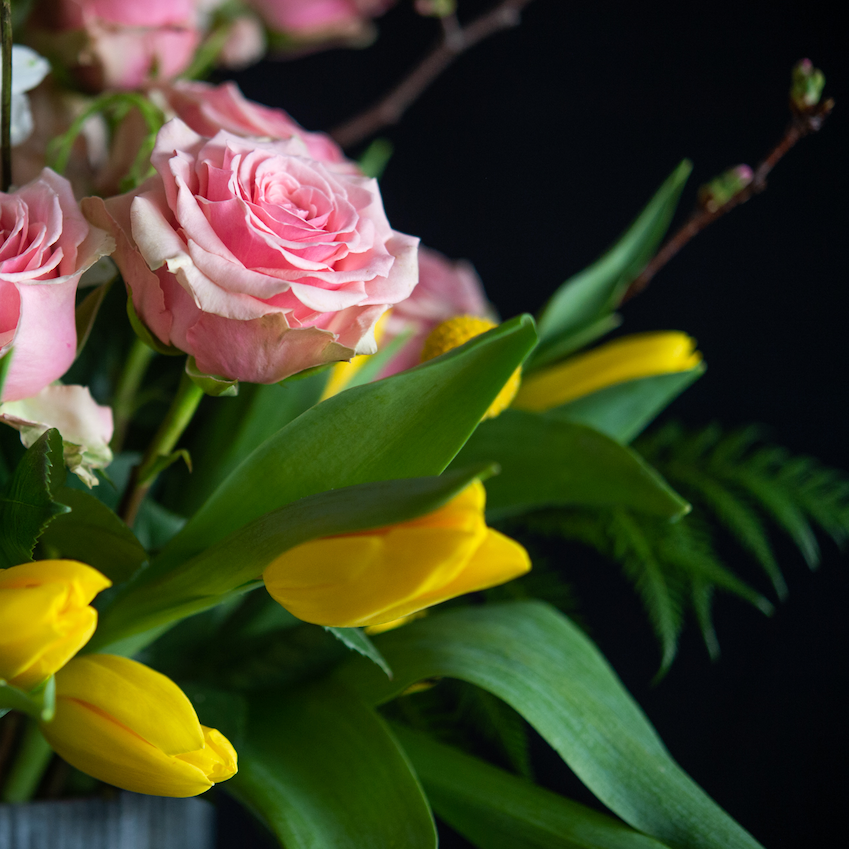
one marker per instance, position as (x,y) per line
(217,759)
(629,358)
(137,696)
(93,742)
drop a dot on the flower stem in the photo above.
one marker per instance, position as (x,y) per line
(159,451)
(28,767)
(123,406)
(6,96)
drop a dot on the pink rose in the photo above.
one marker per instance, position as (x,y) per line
(314,17)
(446,289)
(208,108)
(119,43)
(45,246)
(255,258)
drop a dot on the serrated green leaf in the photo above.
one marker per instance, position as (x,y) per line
(27,505)
(624,410)
(496,810)
(357,641)
(407,425)
(163,594)
(93,534)
(546,461)
(595,291)
(323,770)
(543,666)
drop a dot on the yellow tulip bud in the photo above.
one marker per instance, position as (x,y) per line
(457,331)
(629,358)
(128,725)
(377,576)
(45,618)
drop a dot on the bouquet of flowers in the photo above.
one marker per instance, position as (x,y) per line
(265,457)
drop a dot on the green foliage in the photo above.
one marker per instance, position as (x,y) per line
(739,487)
(536,660)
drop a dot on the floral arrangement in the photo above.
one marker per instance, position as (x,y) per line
(298,579)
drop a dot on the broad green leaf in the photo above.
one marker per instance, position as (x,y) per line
(93,534)
(497,810)
(357,641)
(40,703)
(27,505)
(574,342)
(162,594)
(409,425)
(323,770)
(540,663)
(623,411)
(586,297)
(546,461)
(234,427)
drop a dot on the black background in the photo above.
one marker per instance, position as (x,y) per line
(528,157)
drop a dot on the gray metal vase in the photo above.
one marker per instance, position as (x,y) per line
(129,821)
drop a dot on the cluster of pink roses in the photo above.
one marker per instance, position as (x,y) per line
(257,248)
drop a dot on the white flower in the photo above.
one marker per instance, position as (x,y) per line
(28,70)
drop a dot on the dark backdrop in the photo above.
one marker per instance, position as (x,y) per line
(528,157)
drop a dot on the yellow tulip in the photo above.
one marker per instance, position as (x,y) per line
(459,330)
(629,358)
(45,617)
(128,725)
(377,576)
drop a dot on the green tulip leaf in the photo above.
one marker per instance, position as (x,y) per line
(589,295)
(39,703)
(623,411)
(356,640)
(494,809)
(161,594)
(93,534)
(542,665)
(323,770)
(27,504)
(408,425)
(545,462)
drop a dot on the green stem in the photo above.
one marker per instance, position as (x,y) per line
(6,96)
(124,404)
(29,766)
(176,420)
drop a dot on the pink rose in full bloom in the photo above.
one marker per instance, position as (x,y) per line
(318,17)
(446,289)
(209,108)
(45,246)
(119,43)
(255,258)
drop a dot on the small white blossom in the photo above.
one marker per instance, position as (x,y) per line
(28,70)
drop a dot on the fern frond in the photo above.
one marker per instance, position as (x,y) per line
(702,599)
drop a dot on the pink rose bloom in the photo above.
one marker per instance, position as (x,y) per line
(119,43)
(312,17)
(253,257)
(45,246)
(209,108)
(446,289)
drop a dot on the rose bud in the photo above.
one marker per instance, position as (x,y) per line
(629,358)
(115,43)
(45,246)
(384,574)
(44,608)
(254,258)
(128,725)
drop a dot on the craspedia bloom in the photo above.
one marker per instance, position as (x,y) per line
(128,725)
(45,617)
(381,575)
(459,330)
(629,358)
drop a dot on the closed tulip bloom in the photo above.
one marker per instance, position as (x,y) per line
(128,725)
(629,358)
(45,617)
(377,576)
